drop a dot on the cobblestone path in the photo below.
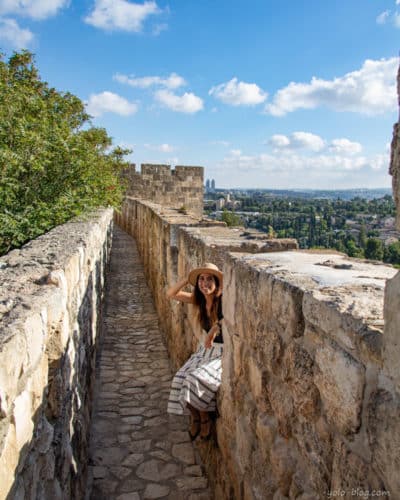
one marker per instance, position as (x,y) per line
(137,451)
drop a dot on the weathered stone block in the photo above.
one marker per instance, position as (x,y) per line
(9,456)
(340,380)
(391,337)
(383,427)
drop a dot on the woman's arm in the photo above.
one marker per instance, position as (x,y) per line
(175,292)
(213,332)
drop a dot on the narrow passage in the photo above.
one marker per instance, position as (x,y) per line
(137,450)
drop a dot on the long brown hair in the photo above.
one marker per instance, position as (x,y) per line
(199,300)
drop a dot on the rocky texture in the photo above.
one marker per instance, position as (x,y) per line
(51,290)
(395,159)
(303,358)
(170,244)
(181,188)
(137,449)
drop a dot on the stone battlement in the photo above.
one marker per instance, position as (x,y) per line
(179,188)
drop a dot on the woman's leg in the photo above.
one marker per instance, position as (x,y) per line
(205,425)
(194,421)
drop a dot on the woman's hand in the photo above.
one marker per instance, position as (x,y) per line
(211,336)
(175,292)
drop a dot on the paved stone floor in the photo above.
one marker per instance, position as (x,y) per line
(137,451)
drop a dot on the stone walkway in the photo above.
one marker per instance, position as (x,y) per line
(137,450)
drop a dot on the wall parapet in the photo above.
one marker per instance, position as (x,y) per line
(181,187)
(307,402)
(51,291)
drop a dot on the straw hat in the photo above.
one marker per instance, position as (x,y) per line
(208,268)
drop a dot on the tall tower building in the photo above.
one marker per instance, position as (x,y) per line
(213,184)
(207,184)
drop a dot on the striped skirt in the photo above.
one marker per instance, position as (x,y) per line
(197,381)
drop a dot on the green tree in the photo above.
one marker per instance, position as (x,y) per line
(392,253)
(230,218)
(374,249)
(53,163)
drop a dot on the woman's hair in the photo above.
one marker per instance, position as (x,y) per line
(200,302)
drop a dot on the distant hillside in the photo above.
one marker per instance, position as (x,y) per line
(343,194)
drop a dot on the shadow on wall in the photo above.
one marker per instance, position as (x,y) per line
(54,463)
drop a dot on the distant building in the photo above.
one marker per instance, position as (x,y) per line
(220,203)
(207,184)
(213,184)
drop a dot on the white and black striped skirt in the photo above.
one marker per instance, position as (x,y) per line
(197,381)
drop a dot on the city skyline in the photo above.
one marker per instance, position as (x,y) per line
(279,95)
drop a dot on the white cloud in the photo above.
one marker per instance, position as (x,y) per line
(173,81)
(307,140)
(396,19)
(187,103)
(383,17)
(238,93)
(297,140)
(370,91)
(279,141)
(323,171)
(163,148)
(108,102)
(121,14)
(13,35)
(36,9)
(344,146)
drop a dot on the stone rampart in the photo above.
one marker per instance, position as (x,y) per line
(309,403)
(179,188)
(51,292)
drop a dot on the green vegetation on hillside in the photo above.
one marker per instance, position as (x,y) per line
(358,227)
(53,164)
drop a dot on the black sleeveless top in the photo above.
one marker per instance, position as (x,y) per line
(206,325)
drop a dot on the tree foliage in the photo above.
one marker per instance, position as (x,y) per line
(230,218)
(53,163)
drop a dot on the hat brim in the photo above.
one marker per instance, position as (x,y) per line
(194,274)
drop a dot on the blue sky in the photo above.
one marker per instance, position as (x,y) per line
(262,93)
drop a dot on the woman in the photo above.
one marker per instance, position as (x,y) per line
(196,383)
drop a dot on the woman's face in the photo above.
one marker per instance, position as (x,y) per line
(207,285)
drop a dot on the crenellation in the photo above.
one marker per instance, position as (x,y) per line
(178,188)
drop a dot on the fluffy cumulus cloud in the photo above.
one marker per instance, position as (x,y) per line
(238,93)
(121,15)
(344,146)
(14,36)
(323,171)
(173,81)
(313,143)
(36,9)
(370,90)
(108,102)
(297,140)
(187,103)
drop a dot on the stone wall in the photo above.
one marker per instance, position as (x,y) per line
(170,244)
(51,292)
(309,404)
(179,188)
(395,158)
